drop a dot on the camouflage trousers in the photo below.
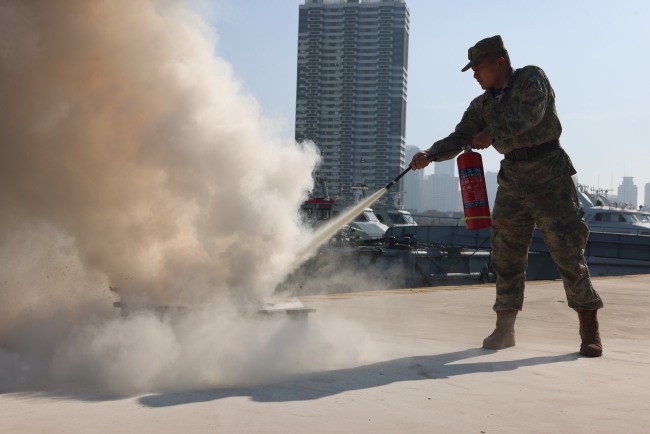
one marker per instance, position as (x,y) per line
(554,208)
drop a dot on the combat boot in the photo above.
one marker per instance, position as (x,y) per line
(591,346)
(504,335)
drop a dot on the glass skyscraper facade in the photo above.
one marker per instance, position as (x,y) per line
(351,89)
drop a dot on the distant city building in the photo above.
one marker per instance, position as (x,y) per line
(351,89)
(628,192)
(440,192)
(412,183)
(646,196)
(446,193)
(491,187)
(445,167)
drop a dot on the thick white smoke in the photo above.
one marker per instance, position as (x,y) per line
(129,157)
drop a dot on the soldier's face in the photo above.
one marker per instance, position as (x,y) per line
(489,72)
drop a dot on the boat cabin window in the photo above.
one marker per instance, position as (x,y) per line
(615,217)
(599,217)
(629,218)
(396,219)
(402,219)
(408,219)
(366,216)
(323,214)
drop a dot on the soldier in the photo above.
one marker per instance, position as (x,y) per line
(516,115)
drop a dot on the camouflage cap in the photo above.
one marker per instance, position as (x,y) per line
(483,48)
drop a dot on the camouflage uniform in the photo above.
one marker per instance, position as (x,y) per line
(536,191)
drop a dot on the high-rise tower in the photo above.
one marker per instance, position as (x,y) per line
(351,89)
(628,192)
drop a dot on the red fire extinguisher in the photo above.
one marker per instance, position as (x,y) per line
(472,188)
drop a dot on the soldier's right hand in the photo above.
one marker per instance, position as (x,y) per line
(420,160)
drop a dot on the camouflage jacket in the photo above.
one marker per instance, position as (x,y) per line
(523,116)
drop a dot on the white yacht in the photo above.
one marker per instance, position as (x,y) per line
(367,226)
(602,216)
(395,217)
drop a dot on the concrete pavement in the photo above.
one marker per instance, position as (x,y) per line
(429,375)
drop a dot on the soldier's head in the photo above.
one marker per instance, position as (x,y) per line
(490,62)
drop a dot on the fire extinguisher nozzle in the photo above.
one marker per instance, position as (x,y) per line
(390,184)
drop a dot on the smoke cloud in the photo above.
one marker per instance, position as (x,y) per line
(131,158)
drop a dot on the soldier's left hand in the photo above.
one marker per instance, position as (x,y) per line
(482,140)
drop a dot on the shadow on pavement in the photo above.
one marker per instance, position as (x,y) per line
(318,385)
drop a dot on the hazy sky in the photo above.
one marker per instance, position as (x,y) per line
(594,52)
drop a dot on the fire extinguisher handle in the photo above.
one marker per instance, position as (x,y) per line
(430,158)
